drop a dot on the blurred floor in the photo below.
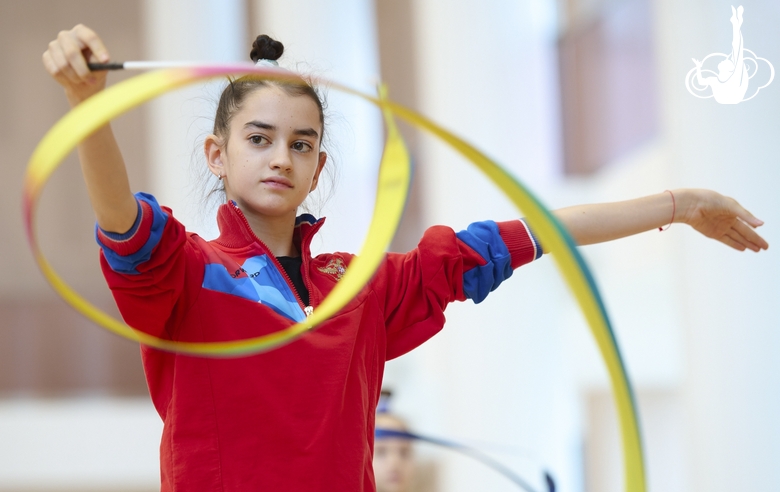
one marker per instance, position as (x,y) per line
(108,444)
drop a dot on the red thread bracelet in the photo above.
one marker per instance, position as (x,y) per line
(674,210)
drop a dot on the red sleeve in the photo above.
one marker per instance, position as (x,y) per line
(447,267)
(152,270)
(419,286)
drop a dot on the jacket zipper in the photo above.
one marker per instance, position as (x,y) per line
(305,255)
(307,310)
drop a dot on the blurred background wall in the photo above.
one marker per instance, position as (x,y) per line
(584,100)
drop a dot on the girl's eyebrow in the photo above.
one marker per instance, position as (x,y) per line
(306,132)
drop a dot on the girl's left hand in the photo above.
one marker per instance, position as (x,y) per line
(719,217)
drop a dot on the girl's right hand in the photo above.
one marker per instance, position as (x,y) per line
(66,61)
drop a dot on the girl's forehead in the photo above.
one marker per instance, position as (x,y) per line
(275,106)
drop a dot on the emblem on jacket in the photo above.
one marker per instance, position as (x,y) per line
(335,268)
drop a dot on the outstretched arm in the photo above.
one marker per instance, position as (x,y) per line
(101,161)
(712,214)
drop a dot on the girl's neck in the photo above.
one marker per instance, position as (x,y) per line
(275,232)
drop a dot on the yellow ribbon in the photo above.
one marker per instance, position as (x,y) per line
(391,196)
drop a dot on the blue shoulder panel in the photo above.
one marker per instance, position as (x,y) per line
(128,264)
(485,239)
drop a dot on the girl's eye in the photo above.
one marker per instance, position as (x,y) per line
(301,146)
(258,139)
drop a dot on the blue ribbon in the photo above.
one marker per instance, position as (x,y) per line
(381,433)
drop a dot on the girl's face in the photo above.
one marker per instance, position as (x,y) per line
(271,160)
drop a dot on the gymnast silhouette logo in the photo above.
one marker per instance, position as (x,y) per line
(735,71)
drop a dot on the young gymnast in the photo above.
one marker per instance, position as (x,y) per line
(299,418)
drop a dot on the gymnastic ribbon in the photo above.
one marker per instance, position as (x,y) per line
(382,433)
(392,189)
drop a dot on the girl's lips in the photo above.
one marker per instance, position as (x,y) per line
(278,182)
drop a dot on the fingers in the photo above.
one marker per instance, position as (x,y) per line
(63,71)
(91,41)
(744,243)
(49,64)
(730,242)
(747,236)
(742,237)
(744,227)
(73,50)
(66,58)
(749,218)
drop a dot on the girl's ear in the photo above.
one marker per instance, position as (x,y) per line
(320,165)
(212,146)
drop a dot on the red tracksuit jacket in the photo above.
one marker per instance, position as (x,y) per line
(301,417)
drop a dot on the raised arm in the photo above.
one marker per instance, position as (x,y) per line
(101,161)
(712,214)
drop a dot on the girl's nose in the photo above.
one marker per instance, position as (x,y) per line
(280,159)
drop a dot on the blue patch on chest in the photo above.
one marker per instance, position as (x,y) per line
(263,283)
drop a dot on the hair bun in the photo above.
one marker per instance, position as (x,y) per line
(266,48)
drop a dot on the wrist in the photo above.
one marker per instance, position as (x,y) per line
(76,96)
(684,204)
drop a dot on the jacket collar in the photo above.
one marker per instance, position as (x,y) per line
(234,230)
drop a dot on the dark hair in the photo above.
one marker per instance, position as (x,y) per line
(266,48)
(263,48)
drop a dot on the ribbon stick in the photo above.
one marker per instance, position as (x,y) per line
(392,189)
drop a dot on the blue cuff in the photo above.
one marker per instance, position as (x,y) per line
(128,264)
(484,238)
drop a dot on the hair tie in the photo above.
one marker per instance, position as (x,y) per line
(264,62)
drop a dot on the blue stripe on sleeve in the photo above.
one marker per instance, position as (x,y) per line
(129,264)
(485,239)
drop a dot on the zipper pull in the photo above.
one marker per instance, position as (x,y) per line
(308,310)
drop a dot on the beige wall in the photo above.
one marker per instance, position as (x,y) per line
(45,347)
(398,64)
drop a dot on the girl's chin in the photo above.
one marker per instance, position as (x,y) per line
(269,210)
